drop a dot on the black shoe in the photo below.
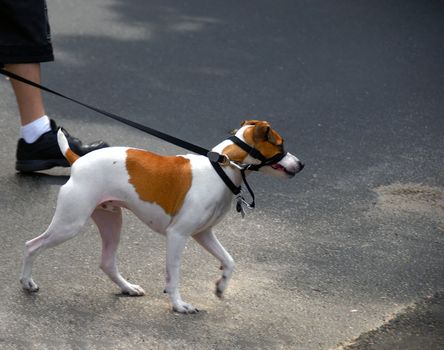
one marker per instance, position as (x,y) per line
(45,153)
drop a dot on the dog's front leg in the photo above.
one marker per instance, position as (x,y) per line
(208,240)
(175,246)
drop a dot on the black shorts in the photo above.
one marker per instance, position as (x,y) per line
(24,32)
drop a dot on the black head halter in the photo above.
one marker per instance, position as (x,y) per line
(254,153)
(216,159)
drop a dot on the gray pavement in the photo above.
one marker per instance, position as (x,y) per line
(355,87)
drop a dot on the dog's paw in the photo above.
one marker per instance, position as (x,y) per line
(221,285)
(29,285)
(133,290)
(184,308)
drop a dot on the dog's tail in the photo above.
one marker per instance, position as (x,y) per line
(70,156)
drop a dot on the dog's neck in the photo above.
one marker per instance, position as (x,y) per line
(233,173)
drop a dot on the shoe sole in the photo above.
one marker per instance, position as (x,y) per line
(29,166)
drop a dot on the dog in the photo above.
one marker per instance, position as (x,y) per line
(177,196)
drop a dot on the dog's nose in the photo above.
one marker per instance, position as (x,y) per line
(301,166)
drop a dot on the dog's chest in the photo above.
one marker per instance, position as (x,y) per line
(208,199)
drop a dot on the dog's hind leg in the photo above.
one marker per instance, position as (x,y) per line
(208,240)
(71,214)
(109,222)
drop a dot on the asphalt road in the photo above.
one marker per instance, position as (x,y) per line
(355,87)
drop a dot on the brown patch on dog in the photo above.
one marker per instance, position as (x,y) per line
(235,153)
(164,180)
(70,156)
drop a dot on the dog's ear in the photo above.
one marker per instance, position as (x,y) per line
(261,131)
(274,138)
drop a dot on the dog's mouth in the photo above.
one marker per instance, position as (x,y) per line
(280,167)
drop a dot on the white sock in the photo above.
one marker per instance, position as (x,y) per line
(32,131)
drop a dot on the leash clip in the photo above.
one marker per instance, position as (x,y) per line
(237,165)
(218,158)
(241,204)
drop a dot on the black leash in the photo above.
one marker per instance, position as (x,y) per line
(171,139)
(214,158)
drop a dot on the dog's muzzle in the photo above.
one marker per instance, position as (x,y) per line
(289,169)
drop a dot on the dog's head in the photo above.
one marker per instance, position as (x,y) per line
(272,158)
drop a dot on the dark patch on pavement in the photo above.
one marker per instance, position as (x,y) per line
(418,327)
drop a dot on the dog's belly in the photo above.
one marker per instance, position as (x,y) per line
(151,214)
(193,218)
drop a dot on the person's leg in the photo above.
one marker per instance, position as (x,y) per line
(37,148)
(23,44)
(33,120)
(29,98)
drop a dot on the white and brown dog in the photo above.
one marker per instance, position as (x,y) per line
(177,196)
